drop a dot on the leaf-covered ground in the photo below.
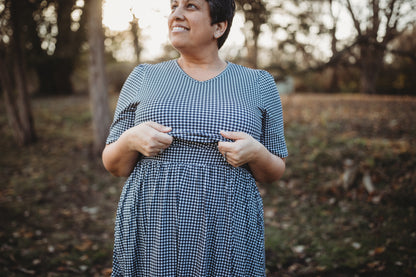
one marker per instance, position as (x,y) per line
(57,203)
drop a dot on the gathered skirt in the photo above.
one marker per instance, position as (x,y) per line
(187,212)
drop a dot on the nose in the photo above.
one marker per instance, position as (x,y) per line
(177,13)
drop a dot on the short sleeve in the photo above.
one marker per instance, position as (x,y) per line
(124,116)
(272,126)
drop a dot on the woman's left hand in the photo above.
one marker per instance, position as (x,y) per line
(242,150)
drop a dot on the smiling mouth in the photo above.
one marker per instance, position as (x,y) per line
(179,29)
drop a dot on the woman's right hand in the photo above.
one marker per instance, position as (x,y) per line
(149,138)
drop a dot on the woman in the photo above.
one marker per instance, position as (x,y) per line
(193,135)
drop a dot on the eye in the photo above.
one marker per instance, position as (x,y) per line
(191,6)
(173,6)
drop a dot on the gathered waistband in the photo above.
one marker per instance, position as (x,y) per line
(185,151)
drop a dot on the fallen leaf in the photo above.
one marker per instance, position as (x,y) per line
(107,271)
(85,245)
(379,250)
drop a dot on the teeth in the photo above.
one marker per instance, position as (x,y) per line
(178,29)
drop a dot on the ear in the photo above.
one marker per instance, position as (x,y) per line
(219,29)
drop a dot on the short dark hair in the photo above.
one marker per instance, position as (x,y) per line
(220,11)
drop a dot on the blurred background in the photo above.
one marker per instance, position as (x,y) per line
(345,70)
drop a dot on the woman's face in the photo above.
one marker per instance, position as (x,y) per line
(190,24)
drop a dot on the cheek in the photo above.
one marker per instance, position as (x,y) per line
(169,23)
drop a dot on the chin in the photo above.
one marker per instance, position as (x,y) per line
(178,44)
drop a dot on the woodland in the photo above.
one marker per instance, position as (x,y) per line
(346,204)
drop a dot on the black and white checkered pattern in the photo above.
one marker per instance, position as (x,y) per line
(186,212)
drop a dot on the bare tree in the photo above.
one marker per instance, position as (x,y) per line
(256,14)
(97,77)
(334,17)
(13,77)
(302,23)
(376,24)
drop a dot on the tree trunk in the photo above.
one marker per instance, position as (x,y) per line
(371,64)
(15,89)
(136,32)
(18,110)
(252,53)
(256,14)
(9,101)
(251,45)
(23,104)
(97,78)
(333,84)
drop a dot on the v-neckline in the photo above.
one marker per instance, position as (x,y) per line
(203,81)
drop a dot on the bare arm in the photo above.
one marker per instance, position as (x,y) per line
(148,139)
(265,166)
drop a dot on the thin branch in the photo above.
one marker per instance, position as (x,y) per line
(335,59)
(376,17)
(389,13)
(354,19)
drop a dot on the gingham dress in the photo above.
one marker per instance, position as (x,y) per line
(186,212)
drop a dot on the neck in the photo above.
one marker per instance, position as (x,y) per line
(205,63)
(203,55)
(202,68)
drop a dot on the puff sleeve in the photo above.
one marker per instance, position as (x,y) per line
(272,136)
(124,116)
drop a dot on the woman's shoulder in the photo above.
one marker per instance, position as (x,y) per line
(155,69)
(247,72)
(155,66)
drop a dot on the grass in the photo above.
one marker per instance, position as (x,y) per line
(57,203)
(325,229)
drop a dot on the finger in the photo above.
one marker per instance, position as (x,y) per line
(156,146)
(229,159)
(157,133)
(164,139)
(159,127)
(233,135)
(225,146)
(156,149)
